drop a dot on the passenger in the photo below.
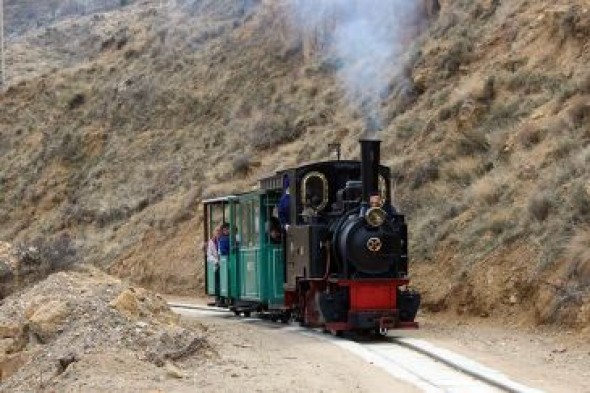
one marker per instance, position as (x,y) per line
(284,205)
(275,236)
(273,229)
(223,243)
(213,247)
(213,258)
(376,201)
(308,211)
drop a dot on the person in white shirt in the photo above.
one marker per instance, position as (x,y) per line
(213,248)
(213,260)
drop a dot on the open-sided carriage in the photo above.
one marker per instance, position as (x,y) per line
(251,277)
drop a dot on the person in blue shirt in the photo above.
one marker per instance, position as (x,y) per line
(223,241)
(284,205)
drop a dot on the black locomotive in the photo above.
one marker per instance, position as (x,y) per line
(346,247)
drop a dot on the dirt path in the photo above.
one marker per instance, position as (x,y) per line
(546,359)
(261,358)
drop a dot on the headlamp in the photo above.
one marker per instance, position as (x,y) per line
(375,216)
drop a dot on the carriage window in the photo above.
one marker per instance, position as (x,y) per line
(226,213)
(245,224)
(256,220)
(314,191)
(215,217)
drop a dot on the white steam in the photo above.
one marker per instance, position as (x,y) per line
(364,38)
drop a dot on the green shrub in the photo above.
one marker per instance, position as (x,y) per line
(532,83)
(579,112)
(457,54)
(424,174)
(529,136)
(241,164)
(539,205)
(579,201)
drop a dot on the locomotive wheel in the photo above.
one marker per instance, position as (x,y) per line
(336,333)
(285,317)
(236,313)
(247,314)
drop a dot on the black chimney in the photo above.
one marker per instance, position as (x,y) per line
(370,157)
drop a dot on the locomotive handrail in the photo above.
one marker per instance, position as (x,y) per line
(327,274)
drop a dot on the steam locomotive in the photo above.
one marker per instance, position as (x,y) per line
(341,260)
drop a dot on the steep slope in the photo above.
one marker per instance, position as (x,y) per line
(117,150)
(486,128)
(494,159)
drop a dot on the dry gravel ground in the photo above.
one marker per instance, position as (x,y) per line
(261,357)
(545,358)
(84,331)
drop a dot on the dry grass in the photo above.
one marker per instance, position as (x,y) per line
(424,174)
(584,83)
(488,190)
(242,164)
(529,135)
(578,112)
(578,253)
(540,204)
(579,200)
(462,171)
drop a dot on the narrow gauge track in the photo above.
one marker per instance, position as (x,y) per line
(416,361)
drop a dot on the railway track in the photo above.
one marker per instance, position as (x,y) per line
(431,369)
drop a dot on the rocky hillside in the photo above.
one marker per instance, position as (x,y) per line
(117,124)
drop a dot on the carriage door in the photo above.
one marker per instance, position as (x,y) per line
(249,250)
(215,215)
(275,274)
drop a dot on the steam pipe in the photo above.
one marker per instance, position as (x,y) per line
(370,159)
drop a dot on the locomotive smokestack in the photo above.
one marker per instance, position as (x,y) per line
(370,157)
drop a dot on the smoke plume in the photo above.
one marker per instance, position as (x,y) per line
(364,39)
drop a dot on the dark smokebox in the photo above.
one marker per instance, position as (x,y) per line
(370,157)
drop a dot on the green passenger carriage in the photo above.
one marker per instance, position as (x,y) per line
(252,276)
